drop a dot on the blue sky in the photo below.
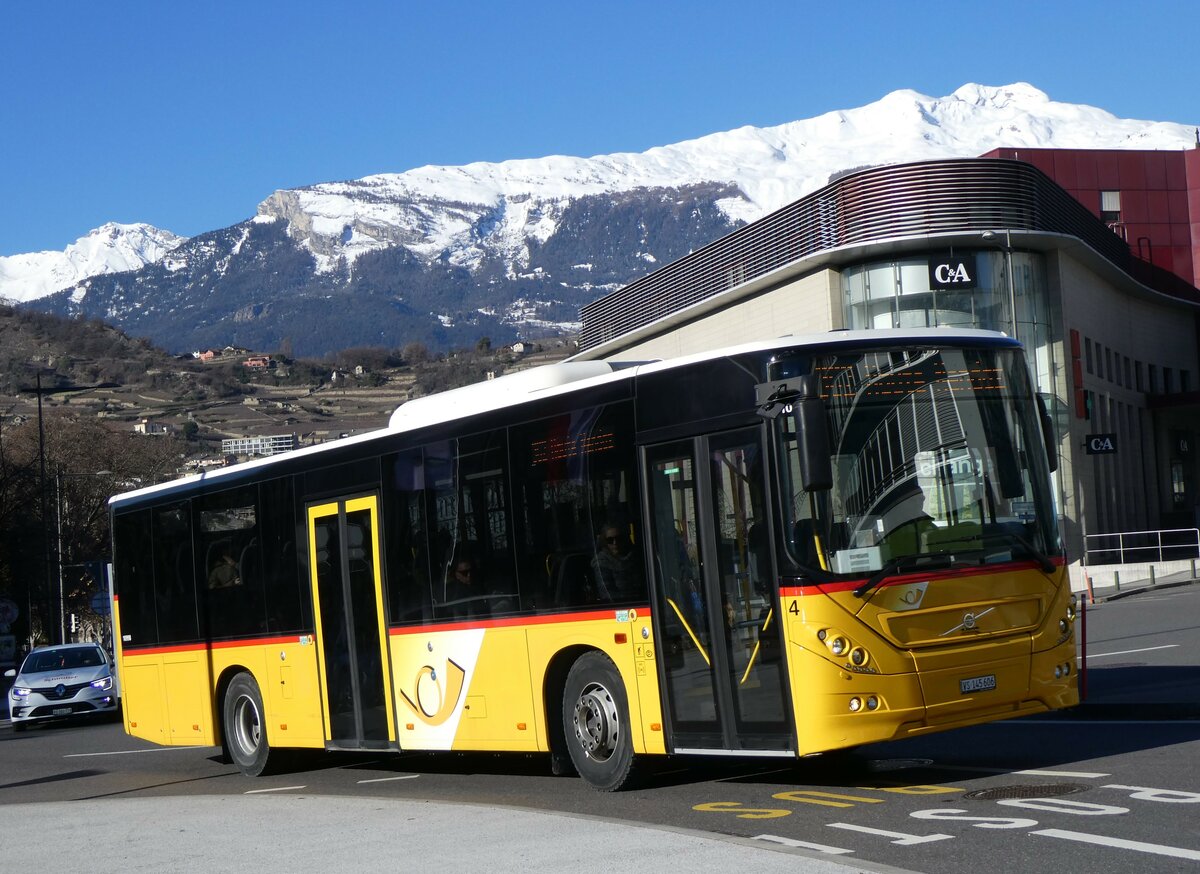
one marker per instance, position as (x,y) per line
(187,115)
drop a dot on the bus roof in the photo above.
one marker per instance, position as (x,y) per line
(570,375)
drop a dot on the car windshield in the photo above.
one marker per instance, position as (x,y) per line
(62,659)
(938,461)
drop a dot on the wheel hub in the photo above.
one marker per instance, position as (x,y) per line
(249,726)
(596,723)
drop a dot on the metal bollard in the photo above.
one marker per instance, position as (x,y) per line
(1117,580)
(1152,575)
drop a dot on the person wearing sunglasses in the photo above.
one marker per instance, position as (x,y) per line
(617,567)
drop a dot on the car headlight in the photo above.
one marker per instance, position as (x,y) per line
(103,684)
(20,692)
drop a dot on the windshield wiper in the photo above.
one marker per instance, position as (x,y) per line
(908,563)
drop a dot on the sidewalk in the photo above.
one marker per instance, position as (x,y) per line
(290,833)
(1110,589)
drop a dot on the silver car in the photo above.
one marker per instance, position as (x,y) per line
(54,682)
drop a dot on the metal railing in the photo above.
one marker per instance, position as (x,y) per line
(1127,547)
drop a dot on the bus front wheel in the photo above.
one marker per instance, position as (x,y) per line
(596,723)
(245,727)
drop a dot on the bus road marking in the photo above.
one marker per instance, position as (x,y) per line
(825,799)
(902,839)
(388,779)
(1079,775)
(276,789)
(1119,843)
(132,752)
(1100,655)
(803,845)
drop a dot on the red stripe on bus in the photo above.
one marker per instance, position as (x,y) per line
(551,619)
(508,622)
(216,644)
(913,576)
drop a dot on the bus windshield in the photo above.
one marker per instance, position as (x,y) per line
(938,461)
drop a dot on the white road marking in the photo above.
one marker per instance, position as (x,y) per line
(401,777)
(134,752)
(1082,775)
(276,789)
(902,839)
(1119,843)
(1100,655)
(804,845)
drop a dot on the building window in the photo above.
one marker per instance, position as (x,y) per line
(1110,206)
(1137,372)
(1153,386)
(1128,373)
(1178,484)
(1108,371)
(1185,380)
(1087,354)
(1168,380)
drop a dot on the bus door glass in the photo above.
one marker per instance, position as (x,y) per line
(351,635)
(715,602)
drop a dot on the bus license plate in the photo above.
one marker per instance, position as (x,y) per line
(977,684)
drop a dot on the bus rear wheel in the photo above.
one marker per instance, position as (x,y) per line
(245,727)
(596,723)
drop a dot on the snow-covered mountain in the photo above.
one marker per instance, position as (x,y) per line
(111,248)
(465,213)
(447,254)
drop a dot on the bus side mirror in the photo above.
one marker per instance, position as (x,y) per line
(1048,436)
(812,429)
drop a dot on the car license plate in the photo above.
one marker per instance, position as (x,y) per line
(977,684)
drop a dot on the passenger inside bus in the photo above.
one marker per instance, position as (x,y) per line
(224,573)
(617,566)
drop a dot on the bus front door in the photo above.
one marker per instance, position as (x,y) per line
(716,610)
(343,548)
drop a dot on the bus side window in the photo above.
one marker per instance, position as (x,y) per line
(406,552)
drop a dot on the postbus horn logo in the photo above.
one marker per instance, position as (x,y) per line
(431,701)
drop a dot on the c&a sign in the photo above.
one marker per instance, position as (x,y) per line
(946,271)
(1101,444)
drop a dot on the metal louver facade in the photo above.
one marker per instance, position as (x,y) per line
(883,203)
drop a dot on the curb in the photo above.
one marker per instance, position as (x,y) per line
(1101,598)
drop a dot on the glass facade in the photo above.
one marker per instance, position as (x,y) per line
(898,294)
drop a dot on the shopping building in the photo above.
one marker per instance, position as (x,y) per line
(1091,258)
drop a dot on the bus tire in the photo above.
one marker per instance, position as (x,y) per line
(245,726)
(596,723)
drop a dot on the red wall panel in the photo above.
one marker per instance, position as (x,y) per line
(1132,166)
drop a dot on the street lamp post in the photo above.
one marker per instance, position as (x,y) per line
(990,236)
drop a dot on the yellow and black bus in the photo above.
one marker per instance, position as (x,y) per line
(780,549)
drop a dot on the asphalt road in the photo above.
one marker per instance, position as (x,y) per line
(1113,787)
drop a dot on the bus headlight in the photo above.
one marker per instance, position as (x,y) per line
(855,705)
(838,646)
(858,656)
